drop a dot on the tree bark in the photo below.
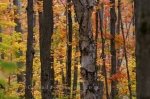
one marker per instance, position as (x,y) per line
(119,60)
(83,9)
(52,69)
(113,49)
(75,78)
(142,27)
(46,31)
(17,4)
(103,56)
(119,17)
(30,51)
(69,48)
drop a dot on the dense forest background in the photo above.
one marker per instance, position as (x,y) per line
(74,49)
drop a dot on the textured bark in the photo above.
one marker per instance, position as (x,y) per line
(142,17)
(83,9)
(46,30)
(113,49)
(69,48)
(30,51)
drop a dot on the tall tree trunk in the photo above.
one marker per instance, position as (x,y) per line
(46,31)
(75,77)
(119,60)
(113,49)
(69,48)
(99,83)
(96,35)
(103,56)
(142,24)
(83,9)
(30,51)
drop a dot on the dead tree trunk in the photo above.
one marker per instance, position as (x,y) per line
(83,9)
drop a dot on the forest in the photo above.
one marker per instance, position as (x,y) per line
(74,49)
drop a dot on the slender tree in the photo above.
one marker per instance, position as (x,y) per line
(119,60)
(113,49)
(118,17)
(103,56)
(30,50)
(69,47)
(46,31)
(1,54)
(52,68)
(75,75)
(83,9)
(142,27)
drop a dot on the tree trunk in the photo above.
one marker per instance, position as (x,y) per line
(69,48)
(75,78)
(52,70)
(1,54)
(103,56)
(17,4)
(30,51)
(113,49)
(119,17)
(46,30)
(142,24)
(83,9)
(119,60)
